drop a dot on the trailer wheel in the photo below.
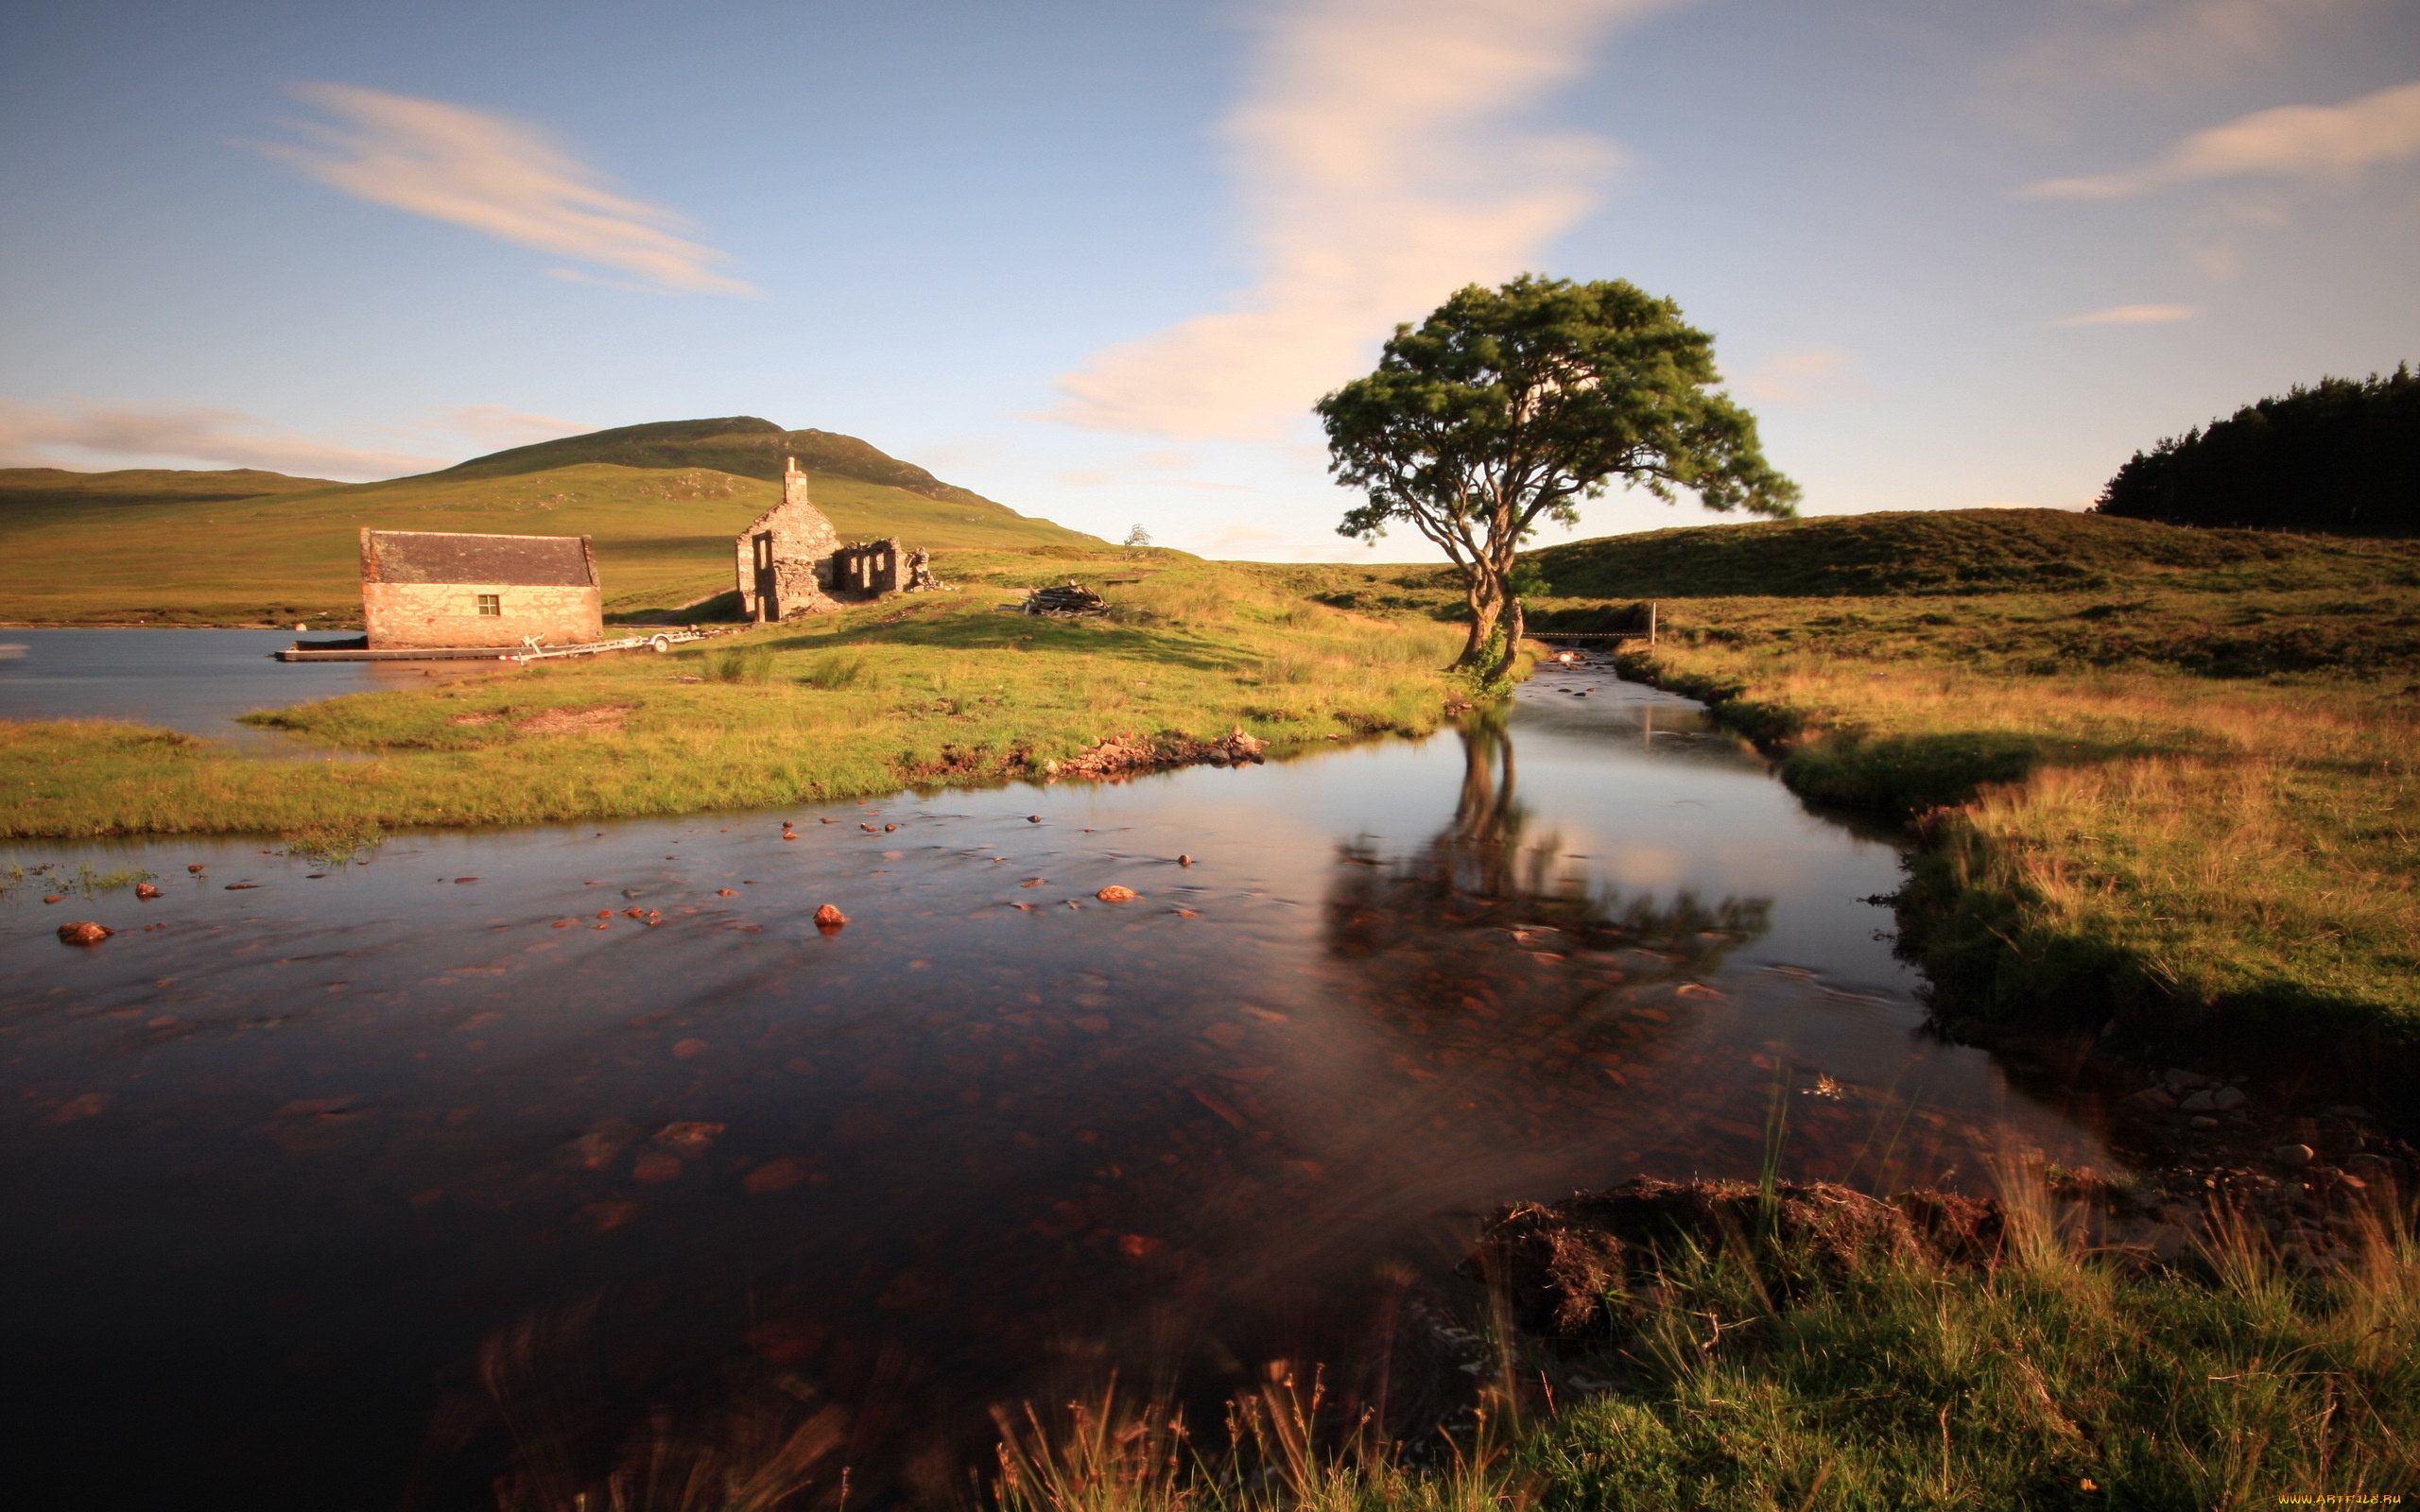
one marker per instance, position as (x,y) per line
(662,643)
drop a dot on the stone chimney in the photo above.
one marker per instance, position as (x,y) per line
(793,482)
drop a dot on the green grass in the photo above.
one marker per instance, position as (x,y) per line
(1954,552)
(57,877)
(929,691)
(2180,809)
(1761,1370)
(663,537)
(2057,1379)
(335,842)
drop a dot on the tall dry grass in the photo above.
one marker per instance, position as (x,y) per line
(1758,1373)
(2238,842)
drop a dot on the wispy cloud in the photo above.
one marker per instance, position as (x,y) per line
(492,425)
(31,436)
(2132,315)
(2167,46)
(499,176)
(1377,171)
(2295,141)
(1798,378)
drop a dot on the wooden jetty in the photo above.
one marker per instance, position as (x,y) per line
(661,641)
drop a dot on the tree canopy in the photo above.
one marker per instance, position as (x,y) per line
(1508,406)
(2342,458)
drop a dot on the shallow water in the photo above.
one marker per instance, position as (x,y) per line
(193,680)
(284,1154)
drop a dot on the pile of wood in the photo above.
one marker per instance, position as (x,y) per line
(1066,601)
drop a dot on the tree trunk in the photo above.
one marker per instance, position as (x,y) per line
(1486,600)
(1516,626)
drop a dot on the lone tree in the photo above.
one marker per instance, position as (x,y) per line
(1509,406)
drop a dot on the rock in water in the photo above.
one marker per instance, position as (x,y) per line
(84,932)
(829,919)
(1116,894)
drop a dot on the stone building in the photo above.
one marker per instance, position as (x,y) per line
(791,561)
(784,559)
(423,589)
(868,569)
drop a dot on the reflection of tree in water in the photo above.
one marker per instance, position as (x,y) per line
(1484,948)
(1207,1216)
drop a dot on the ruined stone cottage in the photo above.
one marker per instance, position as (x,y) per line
(791,561)
(422,588)
(782,559)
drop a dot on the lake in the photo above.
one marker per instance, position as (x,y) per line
(193,680)
(329,1184)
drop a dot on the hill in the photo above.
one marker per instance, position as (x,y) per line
(32,488)
(257,547)
(1959,551)
(742,445)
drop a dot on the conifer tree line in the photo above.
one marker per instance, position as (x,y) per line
(2341,458)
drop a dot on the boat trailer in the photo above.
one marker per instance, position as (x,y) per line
(530,649)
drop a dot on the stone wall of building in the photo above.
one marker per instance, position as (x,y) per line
(867,569)
(401,615)
(779,561)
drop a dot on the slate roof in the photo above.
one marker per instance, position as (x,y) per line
(429,556)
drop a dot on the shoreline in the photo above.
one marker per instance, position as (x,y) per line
(1204,665)
(2088,1004)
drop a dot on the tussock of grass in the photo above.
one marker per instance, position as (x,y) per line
(335,843)
(1282,1452)
(751,663)
(944,688)
(840,669)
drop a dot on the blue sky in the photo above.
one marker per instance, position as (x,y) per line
(1096,260)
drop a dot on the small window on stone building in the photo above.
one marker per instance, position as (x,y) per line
(491,603)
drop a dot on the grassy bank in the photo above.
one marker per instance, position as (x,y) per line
(918,692)
(2184,808)
(2164,775)
(1768,1365)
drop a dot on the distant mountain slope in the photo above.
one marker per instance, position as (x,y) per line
(35,487)
(1954,551)
(740,444)
(291,552)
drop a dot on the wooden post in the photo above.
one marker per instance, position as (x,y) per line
(1651,622)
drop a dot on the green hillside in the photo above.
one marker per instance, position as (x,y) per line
(34,487)
(1960,551)
(179,549)
(739,444)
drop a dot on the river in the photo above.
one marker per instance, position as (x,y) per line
(328,1184)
